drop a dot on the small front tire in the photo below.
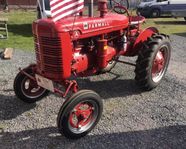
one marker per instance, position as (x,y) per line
(27,89)
(80,114)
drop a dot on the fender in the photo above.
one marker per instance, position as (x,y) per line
(146,33)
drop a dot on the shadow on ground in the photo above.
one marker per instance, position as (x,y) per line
(11,107)
(111,88)
(20,29)
(181,34)
(170,22)
(166,137)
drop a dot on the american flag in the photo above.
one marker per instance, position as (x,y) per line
(64,8)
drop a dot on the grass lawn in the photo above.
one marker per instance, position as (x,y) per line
(168,25)
(20,30)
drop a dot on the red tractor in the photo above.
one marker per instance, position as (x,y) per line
(84,46)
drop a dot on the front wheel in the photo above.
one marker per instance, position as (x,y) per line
(27,89)
(153,62)
(80,114)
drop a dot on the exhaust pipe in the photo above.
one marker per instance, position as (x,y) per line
(102,7)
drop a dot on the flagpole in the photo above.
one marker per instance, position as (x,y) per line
(40,8)
(91,8)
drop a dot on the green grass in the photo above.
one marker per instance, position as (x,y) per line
(20,29)
(168,25)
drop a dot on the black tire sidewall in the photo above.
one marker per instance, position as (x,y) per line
(145,61)
(63,116)
(150,80)
(18,91)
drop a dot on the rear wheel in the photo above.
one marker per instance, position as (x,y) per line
(27,89)
(80,114)
(153,62)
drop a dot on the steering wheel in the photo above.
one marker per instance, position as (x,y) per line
(120,10)
(124,3)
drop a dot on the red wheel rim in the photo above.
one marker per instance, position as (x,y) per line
(83,116)
(159,63)
(30,88)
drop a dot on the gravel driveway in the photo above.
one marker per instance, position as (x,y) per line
(131,119)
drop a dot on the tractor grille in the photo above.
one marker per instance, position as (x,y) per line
(49,55)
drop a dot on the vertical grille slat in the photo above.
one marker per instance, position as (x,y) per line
(48,54)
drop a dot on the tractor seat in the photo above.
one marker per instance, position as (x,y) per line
(136,20)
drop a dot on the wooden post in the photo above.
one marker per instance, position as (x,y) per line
(4,27)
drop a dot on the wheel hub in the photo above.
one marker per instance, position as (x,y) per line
(158,63)
(31,89)
(158,66)
(81,115)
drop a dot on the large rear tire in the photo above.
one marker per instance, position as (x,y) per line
(153,61)
(80,114)
(27,89)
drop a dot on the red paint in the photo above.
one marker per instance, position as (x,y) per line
(158,64)
(84,45)
(142,37)
(81,115)
(102,7)
(105,53)
(81,61)
(86,26)
(50,52)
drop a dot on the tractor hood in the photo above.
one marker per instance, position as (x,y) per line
(81,26)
